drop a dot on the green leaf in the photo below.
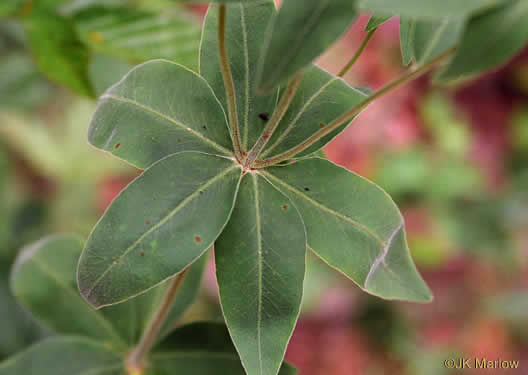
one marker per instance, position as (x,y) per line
(426,9)
(490,39)
(57,50)
(17,326)
(137,35)
(320,99)
(22,86)
(354,226)
(43,280)
(10,7)
(245,32)
(64,356)
(423,41)
(375,22)
(302,30)
(159,108)
(260,264)
(200,349)
(162,222)
(407,33)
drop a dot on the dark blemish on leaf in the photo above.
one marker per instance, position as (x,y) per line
(142,253)
(117,260)
(147,222)
(263,116)
(266,136)
(198,239)
(285,207)
(321,125)
(306,189)
(205,127)
(179,139)
(117,146)
(201,192)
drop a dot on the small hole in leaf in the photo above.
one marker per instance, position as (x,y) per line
(198,239)
(117,146)
(306,189)
(263,116)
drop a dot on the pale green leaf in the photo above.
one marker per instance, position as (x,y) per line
(320,99)
(159,108)
(245,32)
(354,226)
(490,39)
(260,263)
(200,349)
(136,35)
(64,356)
(57,50)
(302,30)
(423,41)
(426,9)
(162,222)
(375,22)
(43,280)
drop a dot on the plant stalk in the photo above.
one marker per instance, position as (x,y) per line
(348,116)
(136,360)
(229,84)
(357,54)
(276,118)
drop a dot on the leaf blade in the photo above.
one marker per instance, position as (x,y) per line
(288,51)
(113,268)
(269,263)
(379,260)
(182,114)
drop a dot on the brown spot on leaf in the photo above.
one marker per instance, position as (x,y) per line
(321,125)
(142,253)
(179,140)
(147,222)
(96,37)
(198,239)
(285,207)
(117,146)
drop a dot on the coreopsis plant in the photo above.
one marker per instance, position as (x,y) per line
(231,161)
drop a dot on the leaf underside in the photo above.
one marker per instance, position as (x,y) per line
(260,263)
(162,222)
(354,226)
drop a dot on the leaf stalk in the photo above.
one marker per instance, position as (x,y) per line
(349,115)
(229,83)
(357,55)
(136,360)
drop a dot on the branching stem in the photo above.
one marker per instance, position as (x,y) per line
(348,116)
(229,84)
(136,360)
(276,118)
(357,54)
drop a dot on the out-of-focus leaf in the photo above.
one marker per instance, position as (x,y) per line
(17,327)
(354,226)
(182,202)
(21,85)
(511,307)
(489,40)
(261,254)
(375,22)
(138,35)
(9,7)
(201,349)
(57,50)
(245,32)
(426,9)
(320,99)
(159,108)
(407,39)
(44,281)
(301,31)
(64,356)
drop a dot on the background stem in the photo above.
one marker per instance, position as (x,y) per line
(136,360)
(357,54)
